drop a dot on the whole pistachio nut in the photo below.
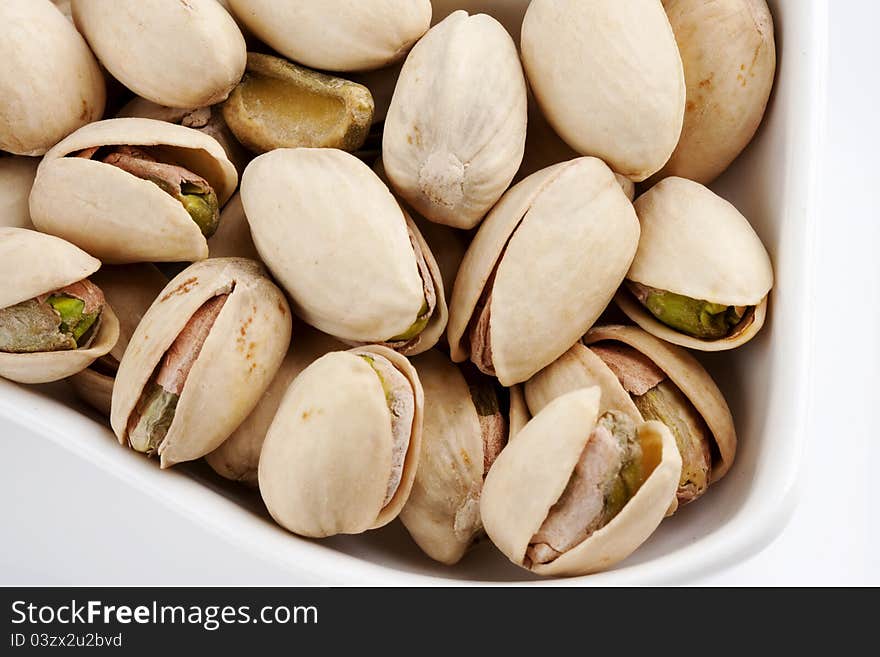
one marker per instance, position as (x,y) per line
(456,129)
(200,359)
(348,255)
(579,488)
(238,457)
(464,431)
(16,179)
(701,276)
(342,452)
(279,104)
(541,269)
(54,321)
(337,35)
(50,83)
(134,190)
(729,56)
(177,54)
(233,237)
(130,290)
(608,77)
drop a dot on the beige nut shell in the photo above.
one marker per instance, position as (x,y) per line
(16,179)
(456,129)
(337,35)
(34,264)
(233,237)
(178,54)
(443,511)
(115,215)
(50,83)
(531,473)
(729,56)
(337,240)
(608,77)
(565,237)
(326,460)
(237,361)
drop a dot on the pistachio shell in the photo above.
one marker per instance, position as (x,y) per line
(326,460)
(560,243)
(609,78)
(519,412)
(456,129)
(729,57)
(233,237)
(16,179)
(336,238)
(530,475)
(50,83)
(235,365)
(696,244)
(337,35)
(239,456)
(178,54)
(115,215)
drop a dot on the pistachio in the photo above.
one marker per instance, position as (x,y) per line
(233,236)
(279,104)
(701,319)
(16,179)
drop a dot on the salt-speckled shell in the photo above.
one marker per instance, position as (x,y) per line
(729,56)
(696,244)
(16,179)
(565,237)
(443,511)
(609,78)
(455,132)
(237,361)
(32,264)
(326,460)
(336,239)
(531,473)
(337,35)
(175,53)
(50,83)
(115,215)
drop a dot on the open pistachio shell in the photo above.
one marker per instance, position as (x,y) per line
(16,179)
(343,248)
(233,237)
(224,374)
(239,456)
(608,76)
(130,290)
(697,246)
(729,56)
(455,132)
(337,35)
(115,215)
(50,83)
(331,462)
(554,249)
(32,264)
(532,473)
(177,54)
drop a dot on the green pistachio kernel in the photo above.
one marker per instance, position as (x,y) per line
(155,411)
(417,327)
(629,477)
(699,319)
(58,324)
(202,206)
(73,319)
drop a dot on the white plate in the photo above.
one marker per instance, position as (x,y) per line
(774,183)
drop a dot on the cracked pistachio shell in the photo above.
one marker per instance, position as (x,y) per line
(455,133)
(175,53)
(239,456)
(235,365)
(531,473)
(696,244)
(327,459)
(337,35)
(16,179)
(609,78)
(130,290)
(729,56)
(32,264)
(560,243)
(335,237)
(115,215)
(50,83)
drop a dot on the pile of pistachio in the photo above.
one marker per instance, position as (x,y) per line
(407,274)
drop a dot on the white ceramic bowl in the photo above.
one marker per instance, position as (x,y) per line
(773,183)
